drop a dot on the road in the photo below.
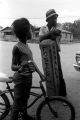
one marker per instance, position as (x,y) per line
(71,76)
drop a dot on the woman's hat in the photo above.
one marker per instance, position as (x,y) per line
(51,13)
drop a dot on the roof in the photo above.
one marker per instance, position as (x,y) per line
(6,29)
(65,31)
(1,27)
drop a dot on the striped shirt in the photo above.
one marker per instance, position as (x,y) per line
(44,30)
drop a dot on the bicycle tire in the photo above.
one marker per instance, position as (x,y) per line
(4,105)
(43,112)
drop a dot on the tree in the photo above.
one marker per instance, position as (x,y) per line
(73,27)
(76,29)
(67,26)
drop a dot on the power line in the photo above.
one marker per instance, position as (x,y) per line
(44,17)
(70,17)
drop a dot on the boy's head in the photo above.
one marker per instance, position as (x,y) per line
(21,28)
(51,17)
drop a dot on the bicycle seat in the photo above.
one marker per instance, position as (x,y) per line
(4,78)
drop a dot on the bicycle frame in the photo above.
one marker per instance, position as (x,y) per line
(37,97)
(9,90)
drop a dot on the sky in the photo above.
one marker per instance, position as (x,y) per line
(35,10)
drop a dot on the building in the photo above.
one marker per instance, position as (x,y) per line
(6,34)
(66,35)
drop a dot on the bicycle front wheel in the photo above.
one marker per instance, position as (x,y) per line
(63,108)
(4,106)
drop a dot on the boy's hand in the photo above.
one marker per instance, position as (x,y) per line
(31,66)
(24,63)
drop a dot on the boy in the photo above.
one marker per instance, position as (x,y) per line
(23,72)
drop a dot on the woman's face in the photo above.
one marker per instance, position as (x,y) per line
(52,21)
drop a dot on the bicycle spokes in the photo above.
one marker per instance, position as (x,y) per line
(52,110)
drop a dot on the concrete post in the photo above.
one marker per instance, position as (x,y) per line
(50,66)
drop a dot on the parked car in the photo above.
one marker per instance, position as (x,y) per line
(77,59)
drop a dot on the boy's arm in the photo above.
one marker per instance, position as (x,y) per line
(38,71)
(15,59)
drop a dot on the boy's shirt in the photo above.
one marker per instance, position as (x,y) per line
(44,30)
(24,54)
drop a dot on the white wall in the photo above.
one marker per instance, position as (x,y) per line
(67,37)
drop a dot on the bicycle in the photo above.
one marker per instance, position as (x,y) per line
(50,108)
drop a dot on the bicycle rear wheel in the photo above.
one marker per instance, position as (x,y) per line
(63,108)
(4,106)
